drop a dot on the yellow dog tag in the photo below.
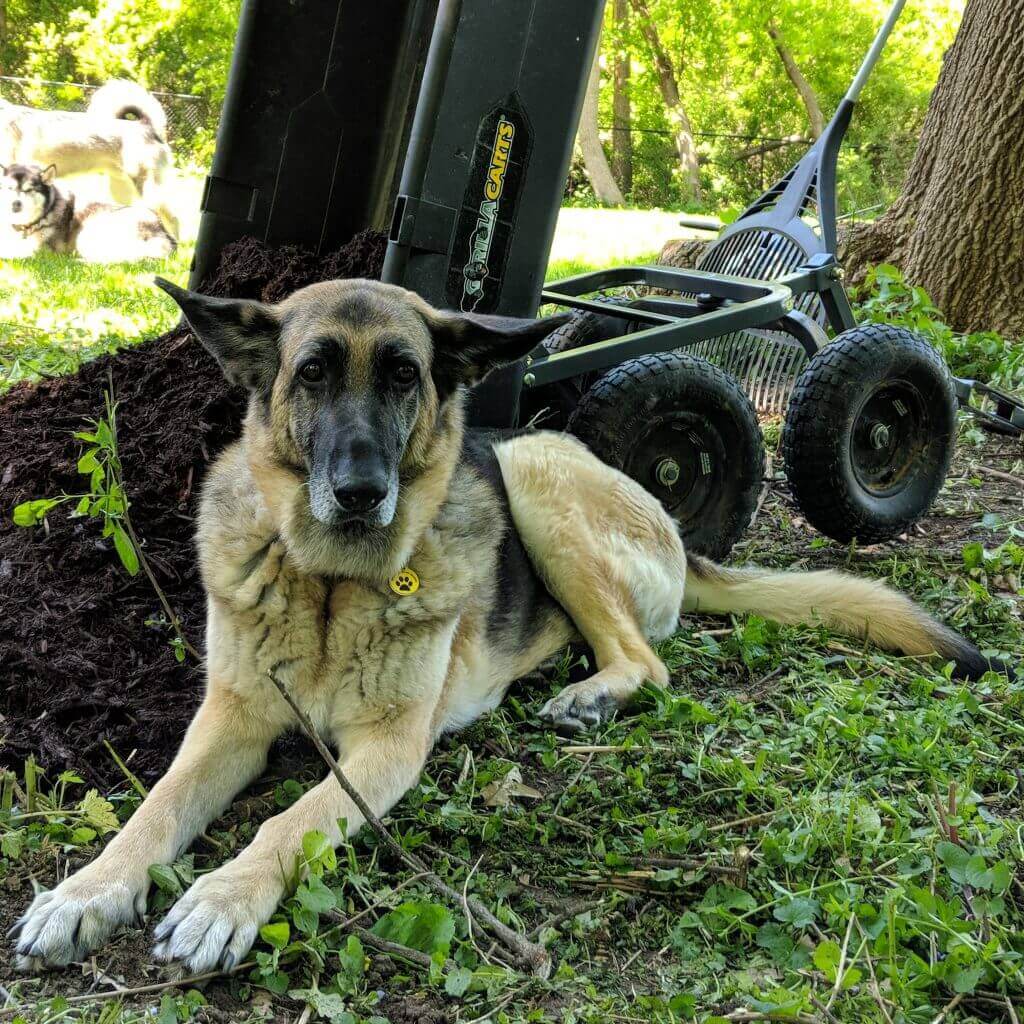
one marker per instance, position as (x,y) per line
(404,583)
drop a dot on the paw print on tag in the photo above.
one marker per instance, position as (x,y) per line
(404,583)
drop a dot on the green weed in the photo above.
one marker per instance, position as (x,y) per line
(982,355)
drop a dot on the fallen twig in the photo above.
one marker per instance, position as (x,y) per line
(841,969)
(565,915)
(414,956)
(876,992)
(683,863)
(752,1015)
(999,474)
(527,954)
(752,819)
(824,1010)
(119,993)
(948,1008)
(602,748)
(1014,1019)
(307,1010)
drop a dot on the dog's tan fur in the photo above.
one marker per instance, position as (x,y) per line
(383,675)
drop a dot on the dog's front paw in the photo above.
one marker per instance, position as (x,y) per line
(217,920)
(579,707)
(63,924)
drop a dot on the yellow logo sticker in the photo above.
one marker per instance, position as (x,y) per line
(404,583)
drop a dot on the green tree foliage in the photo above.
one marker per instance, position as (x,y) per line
(730,78)
(171,45)
(732,83)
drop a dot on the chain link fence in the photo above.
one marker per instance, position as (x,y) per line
(191,120)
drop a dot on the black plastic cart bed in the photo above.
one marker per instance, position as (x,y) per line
(450,125)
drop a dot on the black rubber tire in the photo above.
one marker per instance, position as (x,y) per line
(550,406)
(675,406)
(849,485)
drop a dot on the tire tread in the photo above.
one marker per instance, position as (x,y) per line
(811,465)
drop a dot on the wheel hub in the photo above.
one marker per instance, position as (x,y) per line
(889,435)
(678,459)
(667,472)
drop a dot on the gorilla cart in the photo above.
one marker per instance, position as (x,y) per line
(449,124)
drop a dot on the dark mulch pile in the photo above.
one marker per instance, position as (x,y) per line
(78,662)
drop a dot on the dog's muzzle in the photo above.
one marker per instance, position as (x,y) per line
(371,502)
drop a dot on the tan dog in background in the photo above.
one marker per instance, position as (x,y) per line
(397,573)
(122,134)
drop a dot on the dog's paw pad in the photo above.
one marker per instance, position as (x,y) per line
(64,924)
(216,921)
(579,708)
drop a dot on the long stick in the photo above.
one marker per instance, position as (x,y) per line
(120,993)
(531,956)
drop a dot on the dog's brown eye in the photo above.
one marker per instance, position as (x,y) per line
(404,374)
(312,371)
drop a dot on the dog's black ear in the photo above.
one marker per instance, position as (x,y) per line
(467,346)
(48,174)
(241,334)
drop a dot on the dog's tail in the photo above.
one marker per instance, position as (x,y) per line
(848,604)
(123,99)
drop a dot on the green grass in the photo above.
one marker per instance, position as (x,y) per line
(800,828)
(791,795)
(560,269)
(56,312)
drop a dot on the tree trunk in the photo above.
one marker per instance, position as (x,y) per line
(594,161)
(622,115)
(957,228)
(669,85)
(815,118)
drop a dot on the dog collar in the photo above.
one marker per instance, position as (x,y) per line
(405,582)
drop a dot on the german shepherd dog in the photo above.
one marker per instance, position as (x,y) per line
(396,572)
(37,214)
(122,134)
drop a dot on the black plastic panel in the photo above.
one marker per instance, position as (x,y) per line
(490,151)
(315,122)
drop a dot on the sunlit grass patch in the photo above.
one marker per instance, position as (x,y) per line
(57,312)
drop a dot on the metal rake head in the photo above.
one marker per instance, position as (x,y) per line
(766,363)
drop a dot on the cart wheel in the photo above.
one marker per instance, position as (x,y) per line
(869,433)
(686,431)
(551,405)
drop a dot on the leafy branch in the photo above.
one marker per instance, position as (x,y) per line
(106,499)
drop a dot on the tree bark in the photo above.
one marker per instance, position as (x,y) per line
(668,83)
(594,160)
(622,114)
(957,228)
(815,118)
(3,31)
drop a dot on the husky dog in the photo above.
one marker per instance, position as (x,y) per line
(396,572)
(35,214)
(103,140)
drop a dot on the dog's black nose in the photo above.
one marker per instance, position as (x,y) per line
(16,206)
(364,496)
